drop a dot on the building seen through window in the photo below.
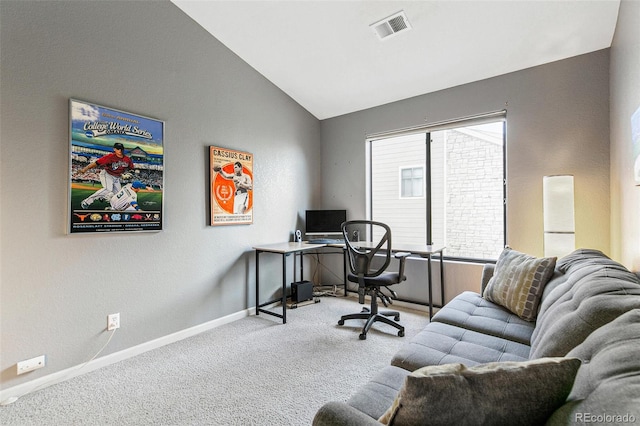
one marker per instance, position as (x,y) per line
(451,189)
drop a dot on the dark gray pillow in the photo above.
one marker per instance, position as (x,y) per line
(497,393)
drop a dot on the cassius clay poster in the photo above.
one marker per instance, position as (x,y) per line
(231,186)
(116,170)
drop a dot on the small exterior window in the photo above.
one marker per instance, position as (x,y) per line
(412,182)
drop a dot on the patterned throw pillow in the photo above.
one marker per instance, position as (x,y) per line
(518,282)
(497,393)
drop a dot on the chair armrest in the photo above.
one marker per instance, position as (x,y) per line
(402,256)
(338,413)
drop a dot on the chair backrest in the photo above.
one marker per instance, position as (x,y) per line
(361,253)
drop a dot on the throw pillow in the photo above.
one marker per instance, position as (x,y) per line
(518,282)
(498,393)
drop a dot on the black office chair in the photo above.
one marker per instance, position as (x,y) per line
(371,278)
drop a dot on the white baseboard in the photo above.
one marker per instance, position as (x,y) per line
(8,396)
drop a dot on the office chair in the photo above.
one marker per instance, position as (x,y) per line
(371,278)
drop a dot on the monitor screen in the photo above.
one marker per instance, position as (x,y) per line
(322,222)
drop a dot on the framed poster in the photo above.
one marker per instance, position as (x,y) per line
(231,175)
(116,170)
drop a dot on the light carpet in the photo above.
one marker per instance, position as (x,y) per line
(254,371)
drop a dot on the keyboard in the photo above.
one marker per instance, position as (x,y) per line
(326,241)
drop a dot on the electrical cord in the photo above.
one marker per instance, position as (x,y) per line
(13,399)
(319,263)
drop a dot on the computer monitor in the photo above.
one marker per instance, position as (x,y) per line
(324,222)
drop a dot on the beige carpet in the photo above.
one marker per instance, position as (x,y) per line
(255,371)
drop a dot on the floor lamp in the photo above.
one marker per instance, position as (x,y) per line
(559,215)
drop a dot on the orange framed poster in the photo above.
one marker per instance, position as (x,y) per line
(231,175)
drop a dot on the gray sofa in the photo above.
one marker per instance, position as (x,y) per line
(589,309)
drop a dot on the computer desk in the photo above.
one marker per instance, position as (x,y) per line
(288,248)
(285,250)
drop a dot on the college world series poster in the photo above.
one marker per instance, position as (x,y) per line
(231,186)
(117,170)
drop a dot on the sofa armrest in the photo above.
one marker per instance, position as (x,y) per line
(338,414)
(487,273)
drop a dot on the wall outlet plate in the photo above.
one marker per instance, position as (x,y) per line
(31,364)
(113,321)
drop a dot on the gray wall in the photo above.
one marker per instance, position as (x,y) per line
(625,100)
(557,123)
(148,58)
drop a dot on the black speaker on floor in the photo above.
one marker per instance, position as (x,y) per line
(301,291)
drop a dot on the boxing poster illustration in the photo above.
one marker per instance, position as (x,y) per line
(116,170)
(231,186)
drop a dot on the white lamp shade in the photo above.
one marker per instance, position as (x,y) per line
(559,245)
(559,215)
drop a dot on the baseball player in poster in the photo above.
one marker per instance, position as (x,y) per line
(243,185)
(114,166)
(127,197)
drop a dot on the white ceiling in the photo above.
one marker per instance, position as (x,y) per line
(326,57)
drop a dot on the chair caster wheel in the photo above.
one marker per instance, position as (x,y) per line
(401,333)
(363,336)
(397,318)
(341,322)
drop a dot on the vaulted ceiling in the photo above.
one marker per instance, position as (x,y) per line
(327,57)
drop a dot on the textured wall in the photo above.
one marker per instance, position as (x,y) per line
(625,100)
(474,186)
(148,58)
(557,123)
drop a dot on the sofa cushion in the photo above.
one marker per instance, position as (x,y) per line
(518,282)
(522,393)
(608,382)
(337,413)
(471,311)
(378,394)
(592,296)
(440,343)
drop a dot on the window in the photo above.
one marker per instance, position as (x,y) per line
(412,182)
(451,186)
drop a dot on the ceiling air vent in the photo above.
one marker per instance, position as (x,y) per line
(391,25)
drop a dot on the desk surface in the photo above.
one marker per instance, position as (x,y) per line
(421,249)
(292,247)
(289,247)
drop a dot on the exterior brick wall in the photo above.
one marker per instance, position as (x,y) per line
(474,192)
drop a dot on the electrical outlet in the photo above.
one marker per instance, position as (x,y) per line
(31,364)
(113,321)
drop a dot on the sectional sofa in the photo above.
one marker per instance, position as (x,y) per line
(547,341)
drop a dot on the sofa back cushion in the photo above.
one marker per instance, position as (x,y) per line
(607,386)
(593,291)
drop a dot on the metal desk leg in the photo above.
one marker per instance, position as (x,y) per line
(301,268)
(430,287)
(442,279)
(258,282)
(284,288)
(344,272)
